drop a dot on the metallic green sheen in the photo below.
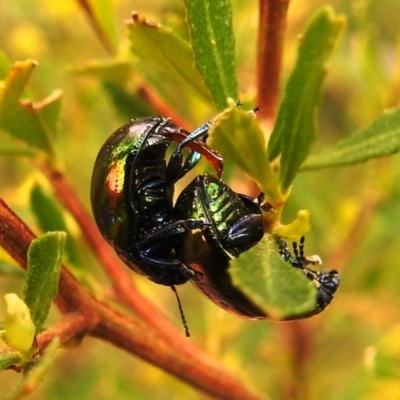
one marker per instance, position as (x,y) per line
(209,251)
(111,178)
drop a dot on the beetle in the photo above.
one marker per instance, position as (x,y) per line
(132,195)
(235,226)
(326,282)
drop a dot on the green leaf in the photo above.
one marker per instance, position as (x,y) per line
(30,123)
(9,358)
(271,283)
(211,33)
(160,51)
(296,121)
(238,137)
(378,139)
(50,218)
(44,266)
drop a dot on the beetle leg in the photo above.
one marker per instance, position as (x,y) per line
(172,229)
(246,232)
(200,133)
(177,168)
(190,273)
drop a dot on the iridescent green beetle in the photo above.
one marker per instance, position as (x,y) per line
(235,226)
(132,194)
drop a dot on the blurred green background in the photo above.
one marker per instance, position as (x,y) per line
(351,350)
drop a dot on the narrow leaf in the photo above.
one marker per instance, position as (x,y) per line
(44,266)
(378,139)
(238,137)
(9,358)
(211,33)
(50,218)
(271,283)
(160,48)
(295,125)
(23,120)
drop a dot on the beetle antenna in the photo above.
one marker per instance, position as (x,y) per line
(185,325)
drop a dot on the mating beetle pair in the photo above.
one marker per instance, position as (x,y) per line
(195,239)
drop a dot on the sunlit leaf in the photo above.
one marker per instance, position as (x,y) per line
(160,48)
(210,26)
(295,125)
(378,139)
(272,284)
(24,121)
(237,136)
(44,266)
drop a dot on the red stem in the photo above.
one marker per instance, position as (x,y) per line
(118,273)
(272,24)
(135,336)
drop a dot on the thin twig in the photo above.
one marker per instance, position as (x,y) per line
(272,24)
(118,273)
(134,336)
(72,328)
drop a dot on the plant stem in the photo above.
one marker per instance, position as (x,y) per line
(71,328)
(272,24)
(198,369)
(135,336)
(118,273)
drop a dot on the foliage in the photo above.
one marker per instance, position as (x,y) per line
(337,109)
